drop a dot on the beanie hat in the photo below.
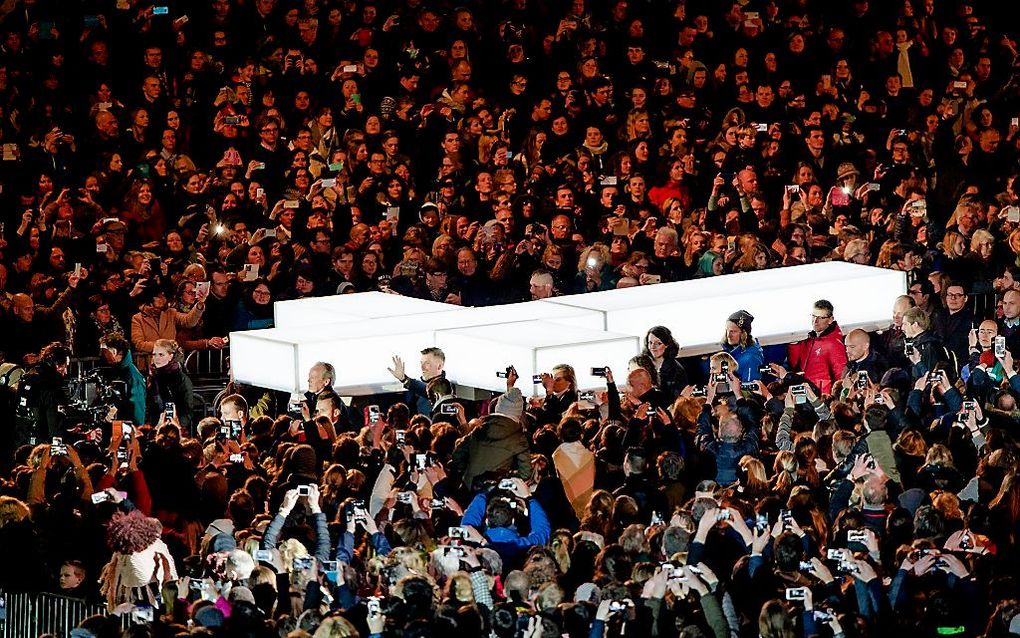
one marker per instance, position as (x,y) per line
(742,319)
(912,499)
(241,594)
(209,616)
(511,404)
(222,543)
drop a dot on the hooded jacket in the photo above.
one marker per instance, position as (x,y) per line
(821,357)
(126,371)
(498,444)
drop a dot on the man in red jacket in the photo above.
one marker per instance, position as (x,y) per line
(821,357)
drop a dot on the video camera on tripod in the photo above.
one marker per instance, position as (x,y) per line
(92,398)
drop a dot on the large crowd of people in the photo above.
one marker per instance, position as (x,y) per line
(171,169)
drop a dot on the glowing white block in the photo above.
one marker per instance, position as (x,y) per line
(474,355)
(780,300)
(362,350)
(258,359)
(352,307)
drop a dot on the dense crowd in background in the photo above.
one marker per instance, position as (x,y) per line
(171,169)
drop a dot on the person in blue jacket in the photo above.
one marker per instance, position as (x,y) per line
(494,519)
(744,348)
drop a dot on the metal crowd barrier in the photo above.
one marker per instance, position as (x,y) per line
(27,615)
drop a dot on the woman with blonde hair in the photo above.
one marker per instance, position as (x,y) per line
(754,482)
(939,472)
(695,243)
(336,627)
(980,262)
(785,468)
(170,388)
(593,270)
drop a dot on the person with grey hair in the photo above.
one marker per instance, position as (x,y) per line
(433,362)
(321,377)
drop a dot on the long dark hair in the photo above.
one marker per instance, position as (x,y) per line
(663,334)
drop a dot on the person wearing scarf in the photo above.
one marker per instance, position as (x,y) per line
(168,383)
(575,465)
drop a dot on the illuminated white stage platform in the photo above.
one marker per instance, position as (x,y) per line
(359,333)
(780,300)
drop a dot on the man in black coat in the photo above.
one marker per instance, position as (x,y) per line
(40,395)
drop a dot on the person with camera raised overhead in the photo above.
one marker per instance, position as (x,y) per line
(499,443)
(723,434)
(923,348)
(491,519)
(115,352)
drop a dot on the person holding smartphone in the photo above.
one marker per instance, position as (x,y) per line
(169,384)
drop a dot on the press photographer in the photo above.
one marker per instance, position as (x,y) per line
(41,394)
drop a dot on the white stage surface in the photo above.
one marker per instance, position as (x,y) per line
(359,333)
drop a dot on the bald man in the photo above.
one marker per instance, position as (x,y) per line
(861,358)
(31,327)
(1009,325)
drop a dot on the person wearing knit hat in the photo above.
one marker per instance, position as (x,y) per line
(498,444)
(742,346)
(141,561)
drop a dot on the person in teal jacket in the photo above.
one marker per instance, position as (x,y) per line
(116,353)
(255,309)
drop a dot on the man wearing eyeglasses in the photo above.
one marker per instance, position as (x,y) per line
(821,357)
(953,323)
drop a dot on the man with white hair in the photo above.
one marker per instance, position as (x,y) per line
(541,285)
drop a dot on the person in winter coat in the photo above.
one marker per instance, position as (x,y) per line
(255,309)
(168,383)
(744,348)
(822,356)
(575,466)
(732,442)
(141,561)
(924,350)
(116,353)
(662,349)
(40,393)
(499,444)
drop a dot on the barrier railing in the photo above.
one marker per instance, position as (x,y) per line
(28,615)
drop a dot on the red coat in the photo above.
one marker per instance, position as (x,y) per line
(822,358)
